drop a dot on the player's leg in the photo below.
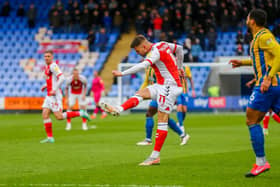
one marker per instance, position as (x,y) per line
(96,101)
(128,104)
(253,120)
(59,115)
(173,125)
(161,135)
(71,103)
(103,113)
(166,97)
(276,117)
(266,122)
(258,105)
(48,126)
(82,105)
(149,125)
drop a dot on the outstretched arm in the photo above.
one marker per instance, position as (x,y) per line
(133,69)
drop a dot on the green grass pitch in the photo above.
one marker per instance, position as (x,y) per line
(218,153)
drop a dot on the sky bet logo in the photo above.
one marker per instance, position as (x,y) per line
(200,102)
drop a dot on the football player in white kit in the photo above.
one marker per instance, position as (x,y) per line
(165,91)
(78,88)
(53,100)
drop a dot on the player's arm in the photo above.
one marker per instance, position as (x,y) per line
(56,71)
(237,63)
(192,86)
(43,87)
(152,57)
(179,53)
(102,87)
(269,44)
(68,81)
(84,81)
(251,82)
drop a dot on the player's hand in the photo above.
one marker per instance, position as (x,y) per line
(43,88)
(193,94)
(117,73)
(265,84)
(235,63)
(181,72)
(52,92)
(249,84)
(84,97)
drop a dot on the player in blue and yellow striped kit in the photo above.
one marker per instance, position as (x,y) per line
(182,100)
(265,59)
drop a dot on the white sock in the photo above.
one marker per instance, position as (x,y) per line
(260,161)
(119,108)
(64,114)
(155,154)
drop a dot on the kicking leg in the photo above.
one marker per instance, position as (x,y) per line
(128,104)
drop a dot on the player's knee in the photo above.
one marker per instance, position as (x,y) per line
(139,97)
(59,116)
(250,121)
(149,114)
(45,114)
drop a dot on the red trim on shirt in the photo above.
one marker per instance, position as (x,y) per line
(170,65)
(59,75)
(149,61)
(175,47)
(160,79)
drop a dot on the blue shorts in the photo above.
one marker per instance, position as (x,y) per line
(183,99)
(264,101)
(153,103)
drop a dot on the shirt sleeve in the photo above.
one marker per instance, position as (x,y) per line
(268,43)
(153,56)
(179,53)
(55,70)
(246,62)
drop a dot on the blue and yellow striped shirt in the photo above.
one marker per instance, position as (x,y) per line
(188,75)
(261,52)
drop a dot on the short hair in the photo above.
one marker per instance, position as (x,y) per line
(259,16)
(137,41)
(75,69)
(49,51)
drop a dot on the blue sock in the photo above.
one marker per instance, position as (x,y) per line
(149,127)
(257,139)
(172,124)
(180,117)
(184,115)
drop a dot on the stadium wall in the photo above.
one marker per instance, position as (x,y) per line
(234,103)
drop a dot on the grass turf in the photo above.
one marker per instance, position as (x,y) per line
(218,153)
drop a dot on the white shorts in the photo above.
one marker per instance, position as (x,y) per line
(53,102)
(165,96)
(74,97)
